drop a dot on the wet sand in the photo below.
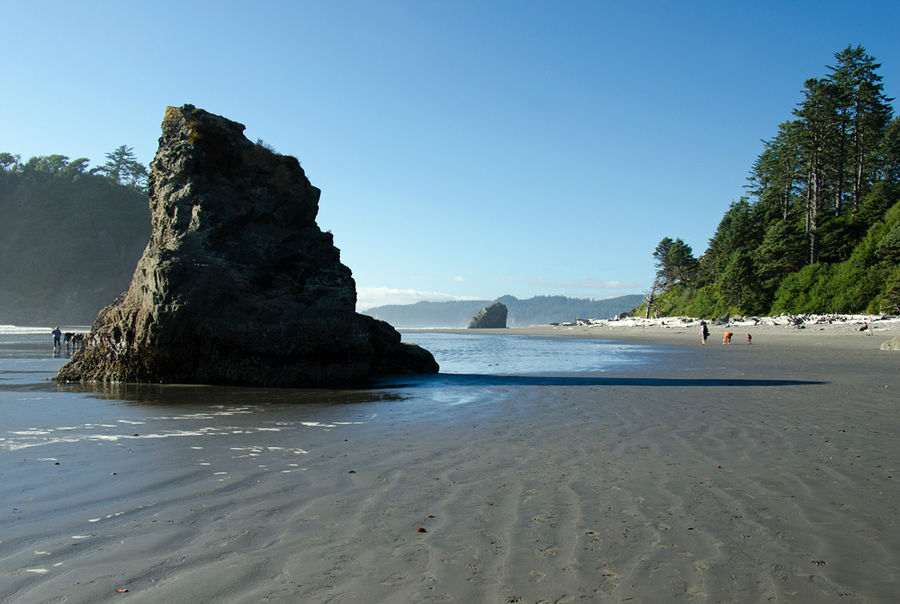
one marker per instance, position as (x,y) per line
(740,473)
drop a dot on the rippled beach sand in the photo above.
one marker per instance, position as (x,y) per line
(740,473)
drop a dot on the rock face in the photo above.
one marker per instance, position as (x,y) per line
(238,285)
(493,316)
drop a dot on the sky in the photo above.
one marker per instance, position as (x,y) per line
(464,149)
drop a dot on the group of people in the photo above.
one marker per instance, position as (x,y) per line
(704,334)
(71,339)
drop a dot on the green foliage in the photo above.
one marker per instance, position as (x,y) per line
(838,235)
(888,248)
(889,298)
(889,152)
(777,174)
(877,201)
(76,167)
(8,161)
(851,288)
(739,284)
(70,243)
(675,263)
(738,230)
(705,302)
(709,303)
(122,168)
(781,252)
(859,284)
(798,292)
(822,230)
(856,284)
(52,164)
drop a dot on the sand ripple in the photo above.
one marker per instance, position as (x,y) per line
(544,492)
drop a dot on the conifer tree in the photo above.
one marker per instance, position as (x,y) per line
(866,112)
(122,167)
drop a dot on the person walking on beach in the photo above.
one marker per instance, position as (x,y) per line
(749,339)
(704,332)
(56,335)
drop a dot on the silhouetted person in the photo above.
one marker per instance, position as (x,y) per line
(57,334)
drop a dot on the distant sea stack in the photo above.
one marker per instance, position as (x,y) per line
(238,285)
(493,316)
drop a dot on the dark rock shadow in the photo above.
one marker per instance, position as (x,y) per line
(185,395)
(443,380)
(383,389)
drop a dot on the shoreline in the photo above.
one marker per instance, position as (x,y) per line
(818,332)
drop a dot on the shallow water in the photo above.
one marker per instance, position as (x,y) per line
(525,355)
(667,474)
(74,456)
(36,412)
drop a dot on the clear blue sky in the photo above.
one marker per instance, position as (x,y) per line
(464,148)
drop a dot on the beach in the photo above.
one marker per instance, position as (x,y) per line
(763,472)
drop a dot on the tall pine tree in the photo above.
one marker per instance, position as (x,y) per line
(865,112)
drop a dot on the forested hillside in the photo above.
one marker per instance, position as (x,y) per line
(540,310)
(71,235)
(820,229)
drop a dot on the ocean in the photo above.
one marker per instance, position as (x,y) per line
(475,353)
(36,413)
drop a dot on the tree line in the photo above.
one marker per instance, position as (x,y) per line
(819,230)
(121,167)
(72,236)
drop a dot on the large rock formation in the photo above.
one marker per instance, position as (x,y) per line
(238,285)
(493,316)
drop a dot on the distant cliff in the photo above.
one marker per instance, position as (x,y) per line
(540,310)
(69,244)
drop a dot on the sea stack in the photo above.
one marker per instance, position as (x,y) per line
(493,316)
(238,285)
